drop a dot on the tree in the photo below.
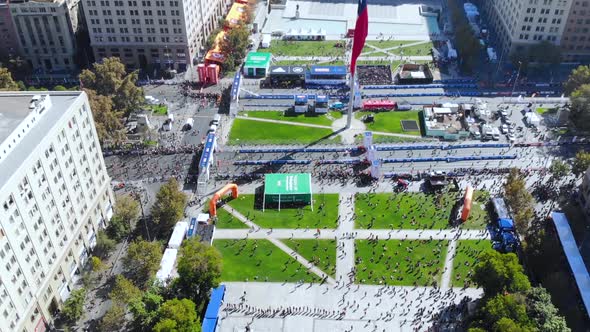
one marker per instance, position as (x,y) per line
(110,79)
(505,311)
(177,316)
(169,205)
(104,245)
(97,264)
(59,88)
(126,214)
(496,273)
(581,162)
(124,291)
(142,261)
(542,311)
(577,78)
(234,46)
(580,109)
(558,168)
(145,309)
(519,199)
(113,319)
(74,306)
(106,119)
(6,81)
(199,270)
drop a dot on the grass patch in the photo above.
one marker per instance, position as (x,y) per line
(390,122)
(408,210)
(383,139)
(159,109)
(321,253)
(245,131)
(319,119)
(465,260)
(150,143)
(227,220)
(400,262)
(479,218)
(304,48)
(324,214)
(384,44)
(421,49)
(374,53)
(259,260)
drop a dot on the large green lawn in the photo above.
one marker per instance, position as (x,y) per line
(382,139)
(321,253)
(409,210)
(304,48)
(259,260)
(390,122)
(324,214)
(465,260)
(320,119)
(385,44)
(245,131)
(421,211)
(400,262)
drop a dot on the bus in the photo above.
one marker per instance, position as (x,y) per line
(499,208)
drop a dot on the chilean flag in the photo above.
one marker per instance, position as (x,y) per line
(361,29)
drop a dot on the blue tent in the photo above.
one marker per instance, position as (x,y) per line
(505,224)
(212,313)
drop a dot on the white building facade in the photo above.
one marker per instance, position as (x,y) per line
(46,32)
(519,24)
(160,34)
(54,197)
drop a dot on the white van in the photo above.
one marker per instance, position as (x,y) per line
(216,119)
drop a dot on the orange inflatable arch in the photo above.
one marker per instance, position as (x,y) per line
(213,203)
(467,203)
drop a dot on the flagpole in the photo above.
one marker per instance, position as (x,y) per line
(350,102)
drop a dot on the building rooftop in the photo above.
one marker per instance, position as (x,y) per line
(14,108)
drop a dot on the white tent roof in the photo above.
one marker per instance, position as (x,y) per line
(166,265)
(178,235)
(570,248)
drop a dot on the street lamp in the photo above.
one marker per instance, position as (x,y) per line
(516,80)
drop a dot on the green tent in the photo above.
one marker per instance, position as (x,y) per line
(287,188)
(257,64)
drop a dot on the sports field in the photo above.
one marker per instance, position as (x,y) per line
(245,131)
(390,122)
(319,119)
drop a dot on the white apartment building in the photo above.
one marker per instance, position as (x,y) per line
(54,196)
(159,34)
(519,24)
(46,32)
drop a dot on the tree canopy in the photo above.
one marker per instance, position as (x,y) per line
(124,291)
(74,306)
(234,46)
(580,109)
(126,215)
(558,168)
(519,199)
(107,121)
(142,261)
(145,309)
(177,316)
(581,163)
(578,77)
(6,81)
(496,273)
(169,205)
(199,270)
(542,311)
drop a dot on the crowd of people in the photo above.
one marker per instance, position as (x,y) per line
(374,75)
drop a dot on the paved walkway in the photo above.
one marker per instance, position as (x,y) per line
(448,269)
(354,308)
(361,234)
(345,257)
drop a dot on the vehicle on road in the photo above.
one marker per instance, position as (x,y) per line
(504,129)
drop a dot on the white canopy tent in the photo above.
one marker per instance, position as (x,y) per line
(178,235)
(167,265)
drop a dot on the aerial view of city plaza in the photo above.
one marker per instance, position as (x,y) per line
(315,165)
